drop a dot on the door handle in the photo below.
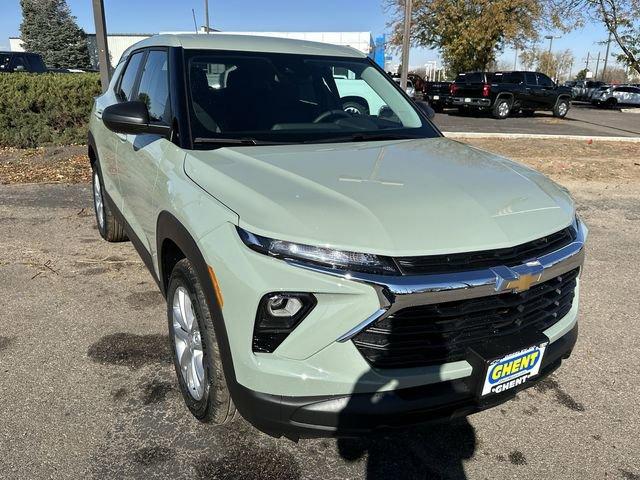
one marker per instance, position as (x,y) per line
(98,114)
(122,136)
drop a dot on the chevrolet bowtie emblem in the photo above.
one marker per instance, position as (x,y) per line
(520,280)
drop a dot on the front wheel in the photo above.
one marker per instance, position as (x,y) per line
(561,109)
(196,356)
(501,109)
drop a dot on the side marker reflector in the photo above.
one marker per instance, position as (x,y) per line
(216,286)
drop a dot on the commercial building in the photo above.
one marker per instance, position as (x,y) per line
(119,42)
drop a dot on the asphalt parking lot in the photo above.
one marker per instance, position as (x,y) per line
(582,119)
(87,390)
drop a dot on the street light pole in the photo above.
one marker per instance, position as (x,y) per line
(550,63)
(101,41)
(406,44)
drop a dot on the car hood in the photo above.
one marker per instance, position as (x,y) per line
(408,197)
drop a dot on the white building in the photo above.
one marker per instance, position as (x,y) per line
(119,42)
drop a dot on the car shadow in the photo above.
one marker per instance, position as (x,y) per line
(424,443)
(425,452)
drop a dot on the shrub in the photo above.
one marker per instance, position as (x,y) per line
(47,109)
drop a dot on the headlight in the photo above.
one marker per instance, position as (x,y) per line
(326,257)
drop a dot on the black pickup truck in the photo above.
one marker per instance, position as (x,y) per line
(502,93)
(438,94)
(21,62)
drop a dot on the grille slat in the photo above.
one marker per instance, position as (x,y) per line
(434,334)
(486,258)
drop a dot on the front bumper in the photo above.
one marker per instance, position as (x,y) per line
(317,383)
(362,413)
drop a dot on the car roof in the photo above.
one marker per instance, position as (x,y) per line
(245,43)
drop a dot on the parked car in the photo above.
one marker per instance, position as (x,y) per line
(411,90)
(504,92)
(614,96)
(327,273)
(21,62)
(438,94)
(587,88)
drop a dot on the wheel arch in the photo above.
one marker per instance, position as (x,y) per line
(507,95)
(174,242)
(356,99)
(92,150)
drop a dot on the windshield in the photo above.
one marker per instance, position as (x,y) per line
(253,97)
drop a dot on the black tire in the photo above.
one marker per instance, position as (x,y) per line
(355,108)
(561,108)
(437,107)
(215,406)
(462,110)
(109,227)
(501,108)
(611,102)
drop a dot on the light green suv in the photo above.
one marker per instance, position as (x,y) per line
(327,272)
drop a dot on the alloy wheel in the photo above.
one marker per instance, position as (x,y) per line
(188,343)
(97,200)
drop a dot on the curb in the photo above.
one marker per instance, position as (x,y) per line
(630,110)
(463,135)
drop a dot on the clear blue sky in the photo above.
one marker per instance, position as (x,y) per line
(149,16)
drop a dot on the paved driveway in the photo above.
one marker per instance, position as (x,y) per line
(87,390)
(582,119)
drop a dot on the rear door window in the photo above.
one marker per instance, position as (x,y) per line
(154,86)
(37,65)
(128,80)
(544,81)
(530,78)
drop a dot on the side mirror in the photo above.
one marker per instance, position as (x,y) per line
(131,118)
(426,108)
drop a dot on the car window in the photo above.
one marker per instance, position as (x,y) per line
(471,77)
(154,86)
(295,98)
(37,65)
(544,81)
(128,79)
(19,61)
(510,78)
(530,78)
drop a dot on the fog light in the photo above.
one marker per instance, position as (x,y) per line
(281,306)
(277,316)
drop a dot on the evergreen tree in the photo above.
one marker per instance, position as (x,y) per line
(48,28)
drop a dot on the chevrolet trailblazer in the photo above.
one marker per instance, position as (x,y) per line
(326,271)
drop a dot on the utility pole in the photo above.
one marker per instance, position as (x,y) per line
(606,57)
(586,67)
(595,75)
(206,15)
(406,44)
(101,40)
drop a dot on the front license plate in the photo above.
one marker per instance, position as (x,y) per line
(436,97)
(513,369)
(467,100)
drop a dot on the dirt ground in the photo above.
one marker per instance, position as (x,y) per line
(571,159)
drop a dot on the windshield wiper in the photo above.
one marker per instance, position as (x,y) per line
(363,137)
(226,141)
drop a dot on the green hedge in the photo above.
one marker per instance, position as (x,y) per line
(47,109)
